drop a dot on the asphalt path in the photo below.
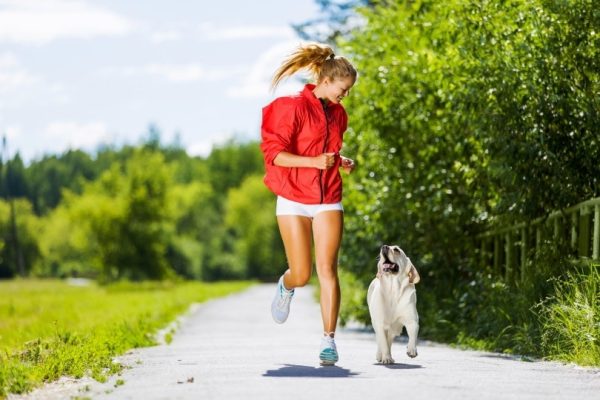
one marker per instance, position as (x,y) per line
(230,348)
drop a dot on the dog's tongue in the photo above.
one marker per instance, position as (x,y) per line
(390,267)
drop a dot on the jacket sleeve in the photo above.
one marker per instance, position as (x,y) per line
(279,124)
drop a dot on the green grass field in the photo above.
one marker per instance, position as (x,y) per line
(49,328)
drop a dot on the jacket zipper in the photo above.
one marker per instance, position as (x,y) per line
(324,149)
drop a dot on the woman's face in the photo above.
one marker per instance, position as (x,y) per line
(335,90)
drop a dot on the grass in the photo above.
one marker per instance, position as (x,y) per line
(571,318)
(50,329)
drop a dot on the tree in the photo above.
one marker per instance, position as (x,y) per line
(258,251)
(338,20)
(48,177)
(126,219)
(229,164)
(25,226)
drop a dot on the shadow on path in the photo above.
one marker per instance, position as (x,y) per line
(509,357)
(303,371)
(399,366)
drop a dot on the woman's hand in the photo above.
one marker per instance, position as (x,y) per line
(324,161)
(347,164)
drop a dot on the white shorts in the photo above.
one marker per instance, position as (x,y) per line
(289,207)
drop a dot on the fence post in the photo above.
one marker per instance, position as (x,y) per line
(524,252)
(574,223)
(509,253)
(482,252)
(584,233)
(596,251)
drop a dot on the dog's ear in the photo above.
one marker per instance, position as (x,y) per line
(413,274)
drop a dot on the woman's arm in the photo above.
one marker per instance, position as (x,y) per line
(285,159)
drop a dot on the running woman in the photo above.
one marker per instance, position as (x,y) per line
(301,143)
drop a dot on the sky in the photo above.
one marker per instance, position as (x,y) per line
(75,74)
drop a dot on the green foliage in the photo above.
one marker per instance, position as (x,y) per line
(50,329)
(570,318)
(421,176)
(48,177)
(137,212)
(19,242)
(465,115)
(538,64)
(354,295)
(196,219)
(230,163)
(14,182)
(120,225)
(258,250)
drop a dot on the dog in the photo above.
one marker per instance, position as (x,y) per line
(392,300)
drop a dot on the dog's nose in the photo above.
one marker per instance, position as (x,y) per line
(385,247)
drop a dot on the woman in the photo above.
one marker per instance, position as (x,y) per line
(301,141)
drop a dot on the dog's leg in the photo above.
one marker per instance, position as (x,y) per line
(383,346)
(412,329)
(391,334)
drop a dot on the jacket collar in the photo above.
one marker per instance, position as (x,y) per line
(308,93)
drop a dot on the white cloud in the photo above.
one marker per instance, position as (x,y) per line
(12,75)
(12,132)
(14,78)
(209,31)
(165,36)
(68,134)
(257,83)
(188,72)
(39,22)
(175,72)
(8,60)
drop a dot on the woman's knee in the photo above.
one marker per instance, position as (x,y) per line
(300,279)
(327,273)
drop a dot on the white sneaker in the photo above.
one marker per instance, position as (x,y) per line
(280,307)
(328,354)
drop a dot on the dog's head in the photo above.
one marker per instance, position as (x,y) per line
(392,261)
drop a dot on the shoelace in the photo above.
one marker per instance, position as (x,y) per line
(284,295)
(330,342)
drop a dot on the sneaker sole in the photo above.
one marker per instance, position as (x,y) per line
(279,321)
(327,363)
(327,359)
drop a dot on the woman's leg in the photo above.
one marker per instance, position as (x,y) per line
(296,235)
(327,231)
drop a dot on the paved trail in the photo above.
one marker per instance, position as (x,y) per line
(231,349)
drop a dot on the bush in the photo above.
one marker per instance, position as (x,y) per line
(570,318)
(465,115)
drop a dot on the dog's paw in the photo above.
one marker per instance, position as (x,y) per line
(387,360)
(412,353)
(378,356)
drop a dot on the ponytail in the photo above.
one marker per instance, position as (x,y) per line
(317,58)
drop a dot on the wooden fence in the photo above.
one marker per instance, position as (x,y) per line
(507,249)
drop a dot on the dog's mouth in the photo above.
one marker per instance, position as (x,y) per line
(390,267)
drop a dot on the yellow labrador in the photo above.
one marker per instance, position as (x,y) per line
(392,300)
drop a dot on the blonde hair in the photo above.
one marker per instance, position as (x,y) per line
(317,58)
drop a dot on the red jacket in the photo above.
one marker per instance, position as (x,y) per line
(299,125)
